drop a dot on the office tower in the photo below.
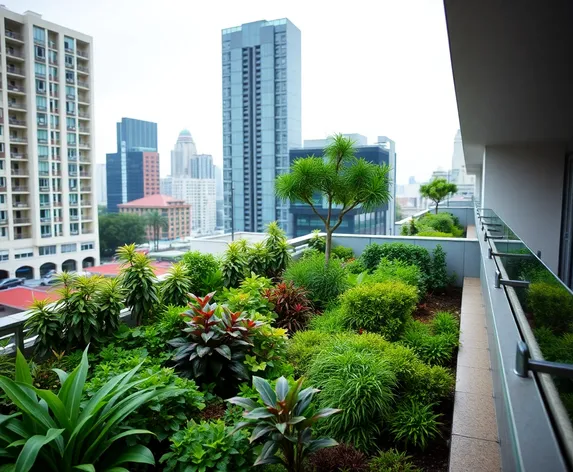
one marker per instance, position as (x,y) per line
(176,211)
(181,156)
(101,184)
(48,213)
(465,182)
(133,170)
(219,195)
(261,119)
(201,195)
(201,167)
(377,221)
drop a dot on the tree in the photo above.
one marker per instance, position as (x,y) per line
(156,221)
(340,180)
(119,229)
(177,285)
(438,190)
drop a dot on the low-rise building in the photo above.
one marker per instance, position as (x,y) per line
(176,211)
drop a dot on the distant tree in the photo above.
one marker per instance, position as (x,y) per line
(157,222)
(340,180)
(398,212)
(119,229)
(438,190)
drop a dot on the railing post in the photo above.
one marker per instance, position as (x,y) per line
(19,338)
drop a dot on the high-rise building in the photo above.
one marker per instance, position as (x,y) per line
(181,155)
(201,195)
(376,221)
(133,171)
(101,184)
(201,167)
(261,119)
(48,214)
(219,195)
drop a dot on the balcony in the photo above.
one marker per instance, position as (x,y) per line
(72,158)
(43,172)
(56,173)
(74,232)
(18,155)
(83,115)
(20,204)
(73,204)
(14,54)
(21,221)
(41,92)
(74,217)
(15,71)
(44,204)
(84,130)
(85,189)
(70,80)
(54,78)
(18,139)
(45,219)
(16,123)
(83,99)
(3,221)
(53,62)
(86,203)
(83,69)
(55,142)
(69,66)
(16,106)
(82,84)
(53,45)
(22,236)
(15,89)
(82,145)
(3,189)
(85,174)
(47,235)
(82,54)
(19,172)
(16,37)
(20,189)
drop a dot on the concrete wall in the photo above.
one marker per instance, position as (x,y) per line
(462,255)
(523,184)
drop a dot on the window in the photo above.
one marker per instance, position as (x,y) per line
(54,108)
(71,123)
(45,231)
(71,107)
(69,247)
(39,34)
(40,69)
(74,229)
(70,77)
(24,255)
(70,92)
(69,43)
(40,86)
(87,246)
(54,89)
(69,61)
(42,136)
(72,139)
(53,57)
(40,52)
(42,119)
(4,255)
(47,250)
(53,73)
(41,103)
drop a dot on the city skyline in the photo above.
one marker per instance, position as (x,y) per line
(404,87)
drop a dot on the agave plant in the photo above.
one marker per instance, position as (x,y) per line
(284,423)
(216,344)
(61,433)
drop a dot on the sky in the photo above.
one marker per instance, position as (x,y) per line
(377,68)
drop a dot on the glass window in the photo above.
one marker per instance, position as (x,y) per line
(42,136)
(53,73)
(39,34)
(71,123)
(45,230)
(70,77)
(53,57)
(69,43)
(54,121)
(43,151)
(40,52)
(47,250)
(40,85)
(42,118)
(70,92)
(40,69)
(69,247)
(69,60)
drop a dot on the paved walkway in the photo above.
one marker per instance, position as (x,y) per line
(471,232)
(475,446)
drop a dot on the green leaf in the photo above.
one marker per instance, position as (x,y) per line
(22,370)
(203,350)
(86,467)
(71,391)
(224,350)
(282,388)
(317,444)
(267,455)
(17,392)
(266,392)
(258,413)
(61,375)
(138,453)
(246,403)
(259,431)
(32,447)
(326,412)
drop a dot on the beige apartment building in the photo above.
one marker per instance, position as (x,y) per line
(48,212)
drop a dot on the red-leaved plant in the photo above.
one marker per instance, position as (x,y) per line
(215,344)
(291,304)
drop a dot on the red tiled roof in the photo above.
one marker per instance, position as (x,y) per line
(153,201)
(112,269)
(23,297)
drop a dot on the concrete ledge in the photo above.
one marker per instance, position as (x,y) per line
(474,445)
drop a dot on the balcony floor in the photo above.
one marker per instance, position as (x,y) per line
(475,444)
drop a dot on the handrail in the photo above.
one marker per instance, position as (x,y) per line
(546,384)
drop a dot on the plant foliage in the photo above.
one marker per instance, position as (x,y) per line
(291,305)
(438,190)
(414,424)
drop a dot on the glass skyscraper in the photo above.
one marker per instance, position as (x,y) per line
(261,119)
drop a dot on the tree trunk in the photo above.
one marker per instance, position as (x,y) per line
(437,203)
(328,247)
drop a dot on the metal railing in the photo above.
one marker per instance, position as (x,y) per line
(505,252)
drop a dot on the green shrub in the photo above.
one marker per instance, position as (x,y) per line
(249,298)
(176,286)
(278,249)
(343,252)
(355,266)
(439,279)
(414,423)
(380,308)
(332,321)
(165,413)
(323,283)
(362,384)
(397,270)
(556,348)
(445,323)
(434,349)
(442,222)
(303,347)
(317,241)
(552,306)
(435,234)
(203,271)
(235,263)
(208,447)
(392,461)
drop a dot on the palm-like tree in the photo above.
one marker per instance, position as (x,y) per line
(156,221)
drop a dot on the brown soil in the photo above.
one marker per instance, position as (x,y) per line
(213,411)
(450,301)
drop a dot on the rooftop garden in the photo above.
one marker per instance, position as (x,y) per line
(252,361)
(434,225)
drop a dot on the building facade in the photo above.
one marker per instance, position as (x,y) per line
(357,221)
(261,119)
(133,170)
(48,212)
(101,184)
(201,167)
(176,212)
(181,155)
(201,195)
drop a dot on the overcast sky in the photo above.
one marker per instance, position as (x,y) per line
(370,67)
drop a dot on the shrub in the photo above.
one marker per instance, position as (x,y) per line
(392,461)
(278,249)
(439,279)
(441,222)
(176,286)
(268,351)
(435,234)
(556,348)
(414,423)
(552,306)
(291,305)
(332,321)
(258,258)
(303,347)
(407,253)
(339,458)
(323,283)
(284,422)
(355,266)
(203,272)
(208,446)
(397,270)
(445,323)
(234,266)
(342,252)
(362,384)
(249,297)
(47,324)
(215,345)
(433,348)
(380,308)
(162,415)
(60,432)
(317,241)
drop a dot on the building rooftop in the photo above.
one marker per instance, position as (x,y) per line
(113,269)
(153,201)
(22,298)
